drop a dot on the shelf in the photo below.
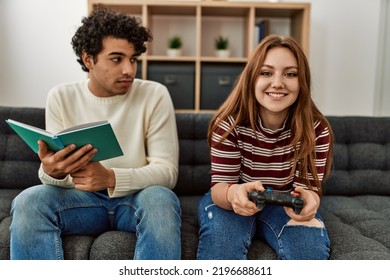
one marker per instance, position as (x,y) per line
(198,23)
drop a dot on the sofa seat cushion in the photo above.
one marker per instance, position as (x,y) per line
(359,225)
(6,197)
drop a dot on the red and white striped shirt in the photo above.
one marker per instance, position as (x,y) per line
(242,158)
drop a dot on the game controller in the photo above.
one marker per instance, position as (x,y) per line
(291,199)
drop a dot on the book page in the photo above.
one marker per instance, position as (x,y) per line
(82,126)
(30,127)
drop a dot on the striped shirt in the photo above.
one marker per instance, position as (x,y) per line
(269,158)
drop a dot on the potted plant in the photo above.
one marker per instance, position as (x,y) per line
(174,46)
(222,46)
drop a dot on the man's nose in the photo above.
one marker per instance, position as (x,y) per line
(129,68)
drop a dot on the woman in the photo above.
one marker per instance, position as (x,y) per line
(267,134)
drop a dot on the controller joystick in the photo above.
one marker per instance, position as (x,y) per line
(291,199)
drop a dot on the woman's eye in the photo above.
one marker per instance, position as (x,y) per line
(291,74)
(133,60)
(265,73)
(116,59)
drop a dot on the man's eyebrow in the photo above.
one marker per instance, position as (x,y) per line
(122,54)
(116,53)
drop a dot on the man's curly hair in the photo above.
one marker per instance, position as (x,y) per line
(102,23)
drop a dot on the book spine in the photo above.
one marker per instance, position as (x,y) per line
(58,142)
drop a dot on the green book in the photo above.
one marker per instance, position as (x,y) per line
(99,134)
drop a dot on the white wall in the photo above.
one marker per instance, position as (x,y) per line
(344,45)
(382,100)
(35,49)
(35,52)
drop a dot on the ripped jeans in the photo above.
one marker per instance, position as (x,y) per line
(226,235)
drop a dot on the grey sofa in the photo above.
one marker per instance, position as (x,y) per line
(356,205)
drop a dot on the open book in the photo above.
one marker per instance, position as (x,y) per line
(99,134)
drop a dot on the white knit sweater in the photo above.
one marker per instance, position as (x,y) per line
(143,121)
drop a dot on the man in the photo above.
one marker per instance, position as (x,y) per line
(128,193)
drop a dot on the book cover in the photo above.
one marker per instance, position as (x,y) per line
(262,29)
(99,134)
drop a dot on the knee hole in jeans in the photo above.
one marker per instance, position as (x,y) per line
(312,223)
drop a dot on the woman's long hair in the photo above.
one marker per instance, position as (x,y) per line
(245,109)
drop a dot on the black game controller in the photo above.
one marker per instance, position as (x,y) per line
(291,199)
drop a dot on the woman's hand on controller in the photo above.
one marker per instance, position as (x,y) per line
(309,210)
(237,196)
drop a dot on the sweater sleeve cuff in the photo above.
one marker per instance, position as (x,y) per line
(122,185)
(48,180)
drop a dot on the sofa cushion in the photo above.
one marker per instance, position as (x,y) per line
(18,163)
(194,161)
(358,226)
(361,156)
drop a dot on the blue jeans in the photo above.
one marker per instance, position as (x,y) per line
(41,214)
(227,235)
